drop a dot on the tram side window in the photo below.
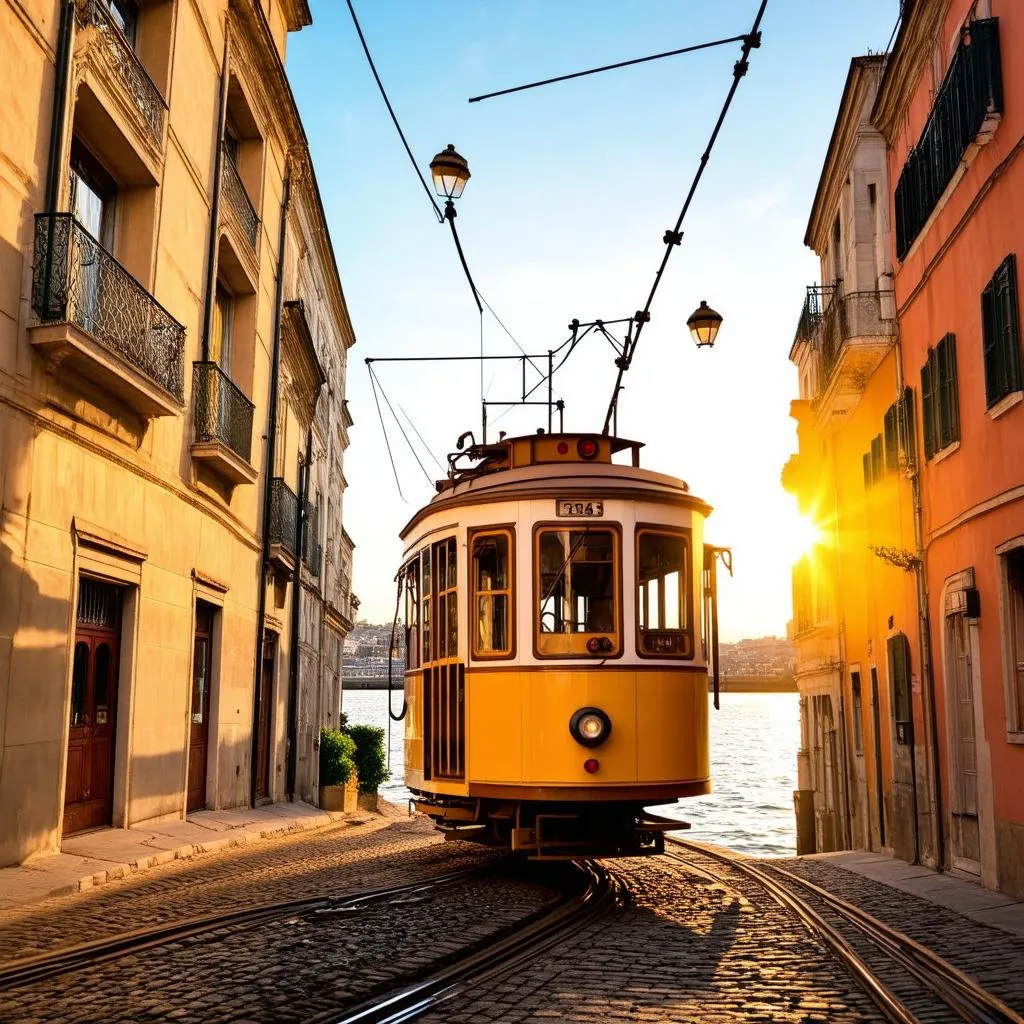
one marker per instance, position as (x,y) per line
(577,590)
(425,603)
(492,594)
(446,626)
(662,601)
(412,615)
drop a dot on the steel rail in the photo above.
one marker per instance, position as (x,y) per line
(964,996)
(497,958)
(83,956)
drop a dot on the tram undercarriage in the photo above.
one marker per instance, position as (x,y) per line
(551,831)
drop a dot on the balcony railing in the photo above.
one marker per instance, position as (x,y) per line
(971,92)
(237,199)
(284,516)
(75,280)
(222,412)
(830,318)
(142,90)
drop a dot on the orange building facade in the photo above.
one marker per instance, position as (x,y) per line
(950,107)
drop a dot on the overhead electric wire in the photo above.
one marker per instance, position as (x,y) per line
(673,238)
(509,333)
(387,401)
(426,447)
(384,431)
(394,116)
(606,67)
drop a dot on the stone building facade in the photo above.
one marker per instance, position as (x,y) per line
(173,340)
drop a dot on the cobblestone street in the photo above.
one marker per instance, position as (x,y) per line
(680,946)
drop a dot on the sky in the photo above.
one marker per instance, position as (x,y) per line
(573,186)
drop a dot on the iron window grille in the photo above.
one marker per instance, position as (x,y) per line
(940,401)
(284,516)
(971,92)
(222,412)
(238,201)
(1001,327)
(75,280)
(119,52)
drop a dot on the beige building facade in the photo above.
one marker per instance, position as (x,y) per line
(174,573)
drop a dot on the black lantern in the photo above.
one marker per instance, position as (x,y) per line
(450,173)
(704,323)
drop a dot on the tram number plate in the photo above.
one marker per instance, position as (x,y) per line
(570,507)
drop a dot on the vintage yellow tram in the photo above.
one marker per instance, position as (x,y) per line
(560,620)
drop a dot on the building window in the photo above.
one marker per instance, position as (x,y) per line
(1014,562)
(866,460)
(223,322)
(1001,326)
(877,459)
(663,584)
(940,401)
(899,432)
(492,594)
(858,713)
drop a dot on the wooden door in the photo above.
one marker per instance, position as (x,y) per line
(263,732)
(199,729)
(89,789)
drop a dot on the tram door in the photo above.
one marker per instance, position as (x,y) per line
(89,789)
(444,677)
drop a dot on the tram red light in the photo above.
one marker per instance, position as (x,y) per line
(591,765)
(587,448)
(594,645)
(563,447)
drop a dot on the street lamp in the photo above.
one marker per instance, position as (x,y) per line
(704,323)
(450,173)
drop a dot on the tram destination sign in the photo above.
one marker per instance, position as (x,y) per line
(579,508)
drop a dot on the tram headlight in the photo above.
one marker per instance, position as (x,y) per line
(590,727)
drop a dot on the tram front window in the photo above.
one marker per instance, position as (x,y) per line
(577,581)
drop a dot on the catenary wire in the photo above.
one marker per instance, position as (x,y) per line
(426,447)
(394,117)
(384,431)
(398,422)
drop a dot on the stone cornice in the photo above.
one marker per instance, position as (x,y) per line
(297,14)
(863,75)
(922,20)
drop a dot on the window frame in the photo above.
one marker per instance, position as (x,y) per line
(475,533)
(685,585)
(411,570)
(1000,330)
(1012,643)
(940,397)
(578,640)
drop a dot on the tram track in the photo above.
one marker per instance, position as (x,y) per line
(907,981)
(597,895)
(81,957)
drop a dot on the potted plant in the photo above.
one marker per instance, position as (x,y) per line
(370,762)
(338,783)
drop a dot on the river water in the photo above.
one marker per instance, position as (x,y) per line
(754,739)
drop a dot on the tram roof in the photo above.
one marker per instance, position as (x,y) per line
(553,465)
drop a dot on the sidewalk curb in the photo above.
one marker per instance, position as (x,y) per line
(187,851)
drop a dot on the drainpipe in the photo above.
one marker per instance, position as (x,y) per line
(268,476)
(60,104)
(293,651)
(218,160)
(924,643)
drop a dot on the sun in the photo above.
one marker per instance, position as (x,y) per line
(800,534)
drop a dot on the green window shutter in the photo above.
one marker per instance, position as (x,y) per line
(949,412)
(877,458)
(866,459)
(1009,323)
(990,345)
(928,407)
(906,426)
(898,650)
(892,457)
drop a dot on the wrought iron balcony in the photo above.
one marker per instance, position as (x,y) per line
(96,315)
(283,528)
(236,199)
(971,94)
(851,333)
(223,423)
(120,55)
